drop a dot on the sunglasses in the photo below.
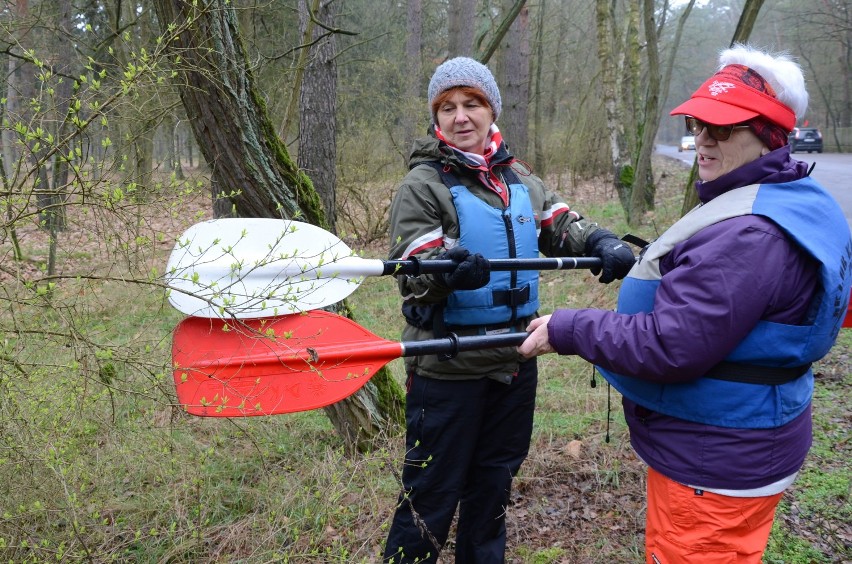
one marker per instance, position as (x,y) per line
(718,132)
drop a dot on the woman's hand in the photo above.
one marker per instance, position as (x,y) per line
(538,341)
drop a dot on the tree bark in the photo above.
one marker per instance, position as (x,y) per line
(252,171)
(414,26)
(290,116)
(537,95)
(173,145)
(619,156)
(47,27)
(317,112)
(642,193)
(461,19)
(63,93)
(631,101)
(7,152)
(515,83)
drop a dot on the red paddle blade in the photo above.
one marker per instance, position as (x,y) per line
(272,365)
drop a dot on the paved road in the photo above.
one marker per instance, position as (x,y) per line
(832,170)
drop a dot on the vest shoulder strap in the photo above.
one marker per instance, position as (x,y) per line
(447,177)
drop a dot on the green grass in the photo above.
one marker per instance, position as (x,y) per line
(815,516)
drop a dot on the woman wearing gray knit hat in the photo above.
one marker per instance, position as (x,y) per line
(470,417)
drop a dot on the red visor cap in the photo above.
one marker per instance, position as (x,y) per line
(724,99)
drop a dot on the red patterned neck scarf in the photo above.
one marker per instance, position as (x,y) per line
(481,163)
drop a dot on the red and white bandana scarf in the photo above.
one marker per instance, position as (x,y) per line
(481,163)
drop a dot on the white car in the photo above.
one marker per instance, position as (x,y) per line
(687,143)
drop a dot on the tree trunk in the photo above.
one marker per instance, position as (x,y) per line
(515,83)
(190,155)
(461,18)
(63,93)
(252,168)
(845,58)
(741,35)
(554,86)
(746,21)
(317,123)
(413,41)
(619,156)
(667,74)
(630,50)
(538,142)
(7,152)
(643,192)
(173,145)
(252,173)
(290,116)
(51,217)
(141,133)
(52,111)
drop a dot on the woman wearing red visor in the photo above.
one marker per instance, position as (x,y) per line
(719,322)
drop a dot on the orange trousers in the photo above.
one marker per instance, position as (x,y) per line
(688,525)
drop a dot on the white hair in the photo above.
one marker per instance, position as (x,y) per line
(780,71)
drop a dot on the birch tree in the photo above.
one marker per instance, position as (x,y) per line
(610,56)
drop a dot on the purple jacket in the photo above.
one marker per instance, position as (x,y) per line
(715,287)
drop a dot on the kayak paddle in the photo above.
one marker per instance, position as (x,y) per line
(260,267)
(285,364)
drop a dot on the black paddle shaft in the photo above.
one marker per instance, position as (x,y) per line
(415,267)
(452,344)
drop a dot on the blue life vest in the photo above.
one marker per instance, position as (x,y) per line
(811,218)
(495,233)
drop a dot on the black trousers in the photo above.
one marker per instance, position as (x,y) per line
(465,441)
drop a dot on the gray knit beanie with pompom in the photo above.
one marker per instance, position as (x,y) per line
(464,71)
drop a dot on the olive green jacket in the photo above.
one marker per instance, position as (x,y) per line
(423,211)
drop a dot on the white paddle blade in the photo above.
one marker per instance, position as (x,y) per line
(258,267)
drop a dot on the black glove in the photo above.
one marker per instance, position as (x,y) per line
(615,254)
(471,271)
